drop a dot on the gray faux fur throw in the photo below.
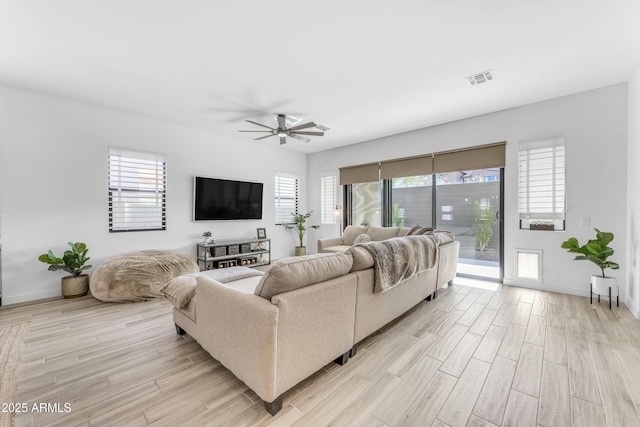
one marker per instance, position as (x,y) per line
(400,258)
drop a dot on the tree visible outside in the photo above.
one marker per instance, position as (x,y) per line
(484,219)
(396,219)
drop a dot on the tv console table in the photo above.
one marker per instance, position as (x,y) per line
(234,252)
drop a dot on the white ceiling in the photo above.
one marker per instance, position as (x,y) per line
(366,69)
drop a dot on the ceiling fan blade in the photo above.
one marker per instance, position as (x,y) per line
(308,133)
(259,124)
(283,140)
(255,131)
(303,126)
(299,138)
(262,137)
(282,121)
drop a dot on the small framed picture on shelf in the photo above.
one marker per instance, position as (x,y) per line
(262,233)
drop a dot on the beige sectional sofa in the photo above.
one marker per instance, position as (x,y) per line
(275,330)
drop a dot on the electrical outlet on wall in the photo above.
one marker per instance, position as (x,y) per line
(585,221)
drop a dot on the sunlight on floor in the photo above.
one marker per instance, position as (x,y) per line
(476,283)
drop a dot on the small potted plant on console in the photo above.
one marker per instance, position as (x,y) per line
(597,251)
(72,262)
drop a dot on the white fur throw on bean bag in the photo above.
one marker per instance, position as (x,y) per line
(138,276)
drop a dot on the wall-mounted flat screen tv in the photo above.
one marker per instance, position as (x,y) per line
(224,199)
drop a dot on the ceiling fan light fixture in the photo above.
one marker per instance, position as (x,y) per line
(282,134)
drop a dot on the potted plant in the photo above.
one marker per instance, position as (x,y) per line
(299,221)
(597,251)
(206,236)
(73,262)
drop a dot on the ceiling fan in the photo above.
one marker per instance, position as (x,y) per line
(283,131)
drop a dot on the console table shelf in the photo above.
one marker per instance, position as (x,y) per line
(234,252)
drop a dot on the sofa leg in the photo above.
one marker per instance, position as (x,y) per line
(435,294)
(353,351)
(179,330)
(342,359)
(429,297)
(450,282)
(275,406)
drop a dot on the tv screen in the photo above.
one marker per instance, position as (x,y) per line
(220,199)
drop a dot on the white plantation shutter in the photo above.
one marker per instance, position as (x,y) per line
(328,199)
(137,190)
(286,198)
(541,180)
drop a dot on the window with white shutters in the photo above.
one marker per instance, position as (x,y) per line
(328,199)
(541,184)
(286,198)
(137,190)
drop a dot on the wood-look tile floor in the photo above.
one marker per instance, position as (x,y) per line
(513,357)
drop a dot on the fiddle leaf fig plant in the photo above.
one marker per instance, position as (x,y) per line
(72,261)
(299,224)
(597,250)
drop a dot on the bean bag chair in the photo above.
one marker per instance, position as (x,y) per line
(138,276)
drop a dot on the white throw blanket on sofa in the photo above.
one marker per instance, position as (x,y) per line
(400,258)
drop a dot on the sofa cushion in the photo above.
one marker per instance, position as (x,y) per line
(382,233)
(351,232)
(363,238)
(339,248)
(362,259)
(404,231)
(292,273)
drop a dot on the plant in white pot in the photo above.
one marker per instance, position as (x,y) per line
(597,251)
(299,224)
(73,262)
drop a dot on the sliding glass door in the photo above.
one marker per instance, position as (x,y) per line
(459,190)
(469,204)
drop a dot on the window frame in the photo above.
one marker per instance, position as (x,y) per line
(547,209)
(279,197)
(122,185)
(328,199)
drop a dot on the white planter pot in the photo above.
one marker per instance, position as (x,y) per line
(607,286)
(301,250)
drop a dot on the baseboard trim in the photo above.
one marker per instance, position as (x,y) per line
(30,297)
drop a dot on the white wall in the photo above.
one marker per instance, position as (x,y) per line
(53,185)
(595,124)
(633,215)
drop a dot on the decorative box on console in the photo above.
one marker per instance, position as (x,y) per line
(245,248)
(234,249)
(219,251)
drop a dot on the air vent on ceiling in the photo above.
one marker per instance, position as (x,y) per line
(483,77)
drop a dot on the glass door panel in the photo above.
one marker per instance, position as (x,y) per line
(411,201)
(468,203)
(366,204)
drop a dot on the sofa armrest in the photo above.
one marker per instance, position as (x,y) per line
(326,243)
(447,263)
(240,331)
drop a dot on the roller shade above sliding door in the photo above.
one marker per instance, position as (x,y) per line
(484,157)
(422,165)
(361,173)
